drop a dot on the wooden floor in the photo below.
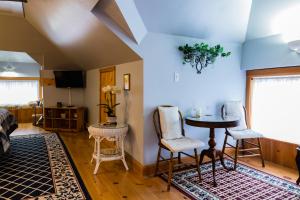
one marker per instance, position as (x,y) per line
(113,182)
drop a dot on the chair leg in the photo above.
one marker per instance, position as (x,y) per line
(236,154)
(224,145)
(157,161)
(197,164)
(261,154)
(170,171)
(179,157)
(243,146)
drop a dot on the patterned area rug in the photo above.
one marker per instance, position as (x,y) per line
(245,183)
(39,167)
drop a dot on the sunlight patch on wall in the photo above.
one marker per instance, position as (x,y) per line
(9,74)
(287,24)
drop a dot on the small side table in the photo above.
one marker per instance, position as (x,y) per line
(114,133)
(212,122)
(298,164)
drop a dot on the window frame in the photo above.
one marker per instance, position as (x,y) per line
(251,74)
(40,93)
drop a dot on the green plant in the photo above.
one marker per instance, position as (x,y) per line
(109,92)
(201,55)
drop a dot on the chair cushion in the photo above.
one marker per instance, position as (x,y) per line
(170,122)
(182,144)
(244,134)
(236,109)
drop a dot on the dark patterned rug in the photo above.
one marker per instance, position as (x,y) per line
(245,183)
(39,167)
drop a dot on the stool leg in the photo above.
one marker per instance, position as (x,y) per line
(123,154)
(94,151)
(98,160)
(125,164)
(97,167)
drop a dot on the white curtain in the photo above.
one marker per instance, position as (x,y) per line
(276,108)
(18,92)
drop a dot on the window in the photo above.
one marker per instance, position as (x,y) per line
(18,92)
(274,103)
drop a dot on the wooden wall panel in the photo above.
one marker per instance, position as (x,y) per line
(279,152)
(24,115)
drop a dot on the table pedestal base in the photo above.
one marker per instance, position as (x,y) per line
(213,154)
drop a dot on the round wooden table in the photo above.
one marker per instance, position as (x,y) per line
(212,122)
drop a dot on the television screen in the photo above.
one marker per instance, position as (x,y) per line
(72,79)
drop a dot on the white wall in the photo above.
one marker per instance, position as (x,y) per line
(92,95)
(52,95)
(268,52)
(218,83)
(131,109)
(22,69)
(133,98)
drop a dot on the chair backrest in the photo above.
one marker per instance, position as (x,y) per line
(235,108)
(157,122)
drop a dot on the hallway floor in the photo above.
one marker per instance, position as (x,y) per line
(113,182)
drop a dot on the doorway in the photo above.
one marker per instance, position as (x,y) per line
(107,77)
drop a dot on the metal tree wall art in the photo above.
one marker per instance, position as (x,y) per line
(201,55)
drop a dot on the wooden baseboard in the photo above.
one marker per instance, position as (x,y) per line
(134,165)
(277,156)
(148,170)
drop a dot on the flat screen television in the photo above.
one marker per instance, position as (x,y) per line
(69,79)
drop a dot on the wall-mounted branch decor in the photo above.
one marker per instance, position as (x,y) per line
(201,55)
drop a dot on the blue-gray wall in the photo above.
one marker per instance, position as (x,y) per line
(268,52)
(22,70)
(218,83)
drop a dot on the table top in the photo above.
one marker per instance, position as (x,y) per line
(213,121)
(115,126)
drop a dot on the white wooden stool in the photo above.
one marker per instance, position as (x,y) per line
(115,133)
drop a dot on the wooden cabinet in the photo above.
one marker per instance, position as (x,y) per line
(23,114)
(69,119)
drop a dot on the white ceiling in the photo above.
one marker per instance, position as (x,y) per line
(265,13)
(73,28)
(18,35)
(221,20)
(67,33)
(16,57)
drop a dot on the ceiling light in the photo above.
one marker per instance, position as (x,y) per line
(294,45)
